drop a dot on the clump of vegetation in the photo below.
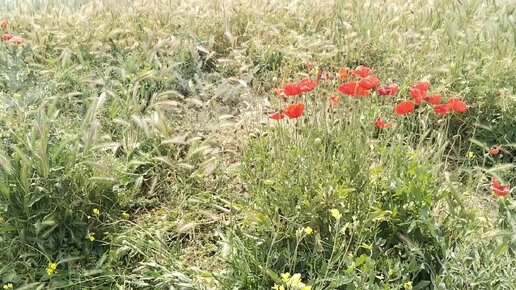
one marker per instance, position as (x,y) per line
(146,147)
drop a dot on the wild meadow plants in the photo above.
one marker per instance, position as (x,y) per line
(257,144)
(347,190)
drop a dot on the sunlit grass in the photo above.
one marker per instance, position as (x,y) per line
(154,113)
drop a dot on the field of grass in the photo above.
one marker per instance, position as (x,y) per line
(139,147)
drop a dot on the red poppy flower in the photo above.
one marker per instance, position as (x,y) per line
(291,90)
(344,73)
(276,116)
(404,108)
(362,92)
(362,71)
(434,100)
(348,88)
(380,124)
(422,86)
(495,151)
(307,85)
(498,189)
(442,109)
(419,91)
(418,95)
(455,104)
(4,25)
(17,40)
(387,90)
(294,110)
(352,88)
(334,100)
(369,82)
(6,37)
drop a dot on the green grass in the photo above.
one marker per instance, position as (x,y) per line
(154,113)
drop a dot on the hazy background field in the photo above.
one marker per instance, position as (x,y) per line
(136,152)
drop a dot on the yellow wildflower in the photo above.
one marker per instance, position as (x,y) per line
(407,285)
(471,155)
(306,287)
(295,280)
(308,230)
(8,286)
(285,277)
(96,211)
(335,213)
(16,95)
(91,237)
(278,287)
(125,215)
(51,268)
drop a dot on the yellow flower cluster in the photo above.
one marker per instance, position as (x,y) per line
(8,286)
(292,282)
(407,285)
(51,269)
(335,213)
(96,211)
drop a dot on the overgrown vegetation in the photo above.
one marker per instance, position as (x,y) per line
(136,151)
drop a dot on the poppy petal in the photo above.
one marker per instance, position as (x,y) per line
(495,151)
(387,90)
(276,116)
(348,88)
(17,40)
(380,124)
(404,108)
(498,189)
(294,110)
(417,94)
(434,100)
(422,86)
(353,88)
(7,37)
(362,71)
(307,85)
(369,82)
(441,109)
(457,105)
(292,90)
